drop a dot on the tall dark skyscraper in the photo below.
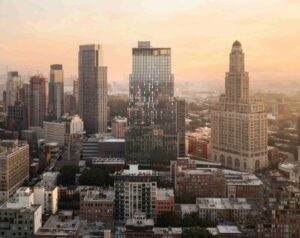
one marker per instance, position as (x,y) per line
(75,93)
(56,91)
(38,100)
(152,107)
(92,88)
(180,105)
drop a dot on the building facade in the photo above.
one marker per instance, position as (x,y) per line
(92,88)
(151,103)
(13,84)
(19,216)
(180,107)
(239,122)
(47,197)
(224,209)
(54,132)
(165,201)
(195,182)
(14,167)
(56,91)
(97,206)
(135,191)
(119,126)
(38,100)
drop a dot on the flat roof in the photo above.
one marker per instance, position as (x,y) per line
(169,230)
(188,208)
(98,160)
(135,171)
(54,226)
(164,193)
(223,229)
(103,195)
(223,203)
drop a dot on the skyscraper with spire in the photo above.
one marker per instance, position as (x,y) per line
(239,122)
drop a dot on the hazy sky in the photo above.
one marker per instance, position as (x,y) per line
(37,33)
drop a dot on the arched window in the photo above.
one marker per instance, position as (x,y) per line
(237,163)
(257,165)
(229,161)
(222,160)
(245,165)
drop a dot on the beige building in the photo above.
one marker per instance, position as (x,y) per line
(118,127)
(54,132)
(239,122)
(20,216)
(47,197)
(14,167)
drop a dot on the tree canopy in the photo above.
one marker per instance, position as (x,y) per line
(67,175)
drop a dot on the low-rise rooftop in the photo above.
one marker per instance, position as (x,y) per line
(60,225)
(135,171)
(164,194)
(96,195)
(105,161)
(223,203)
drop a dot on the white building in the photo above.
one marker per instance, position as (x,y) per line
(135,191)
(59,131)
(47,197)
(20,217)
(292,169)
(239,122)
(76,125)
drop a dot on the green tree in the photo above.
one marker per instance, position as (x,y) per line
(70,202)
(167,219)
(67,175)
(95,177)
(196,232)
(185,200)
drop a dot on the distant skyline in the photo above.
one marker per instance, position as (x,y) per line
(36,34)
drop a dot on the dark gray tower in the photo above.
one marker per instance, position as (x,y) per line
(92,89)
(152,107)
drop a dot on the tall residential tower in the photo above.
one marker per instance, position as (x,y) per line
(239,122)
(56,91)
(152,106)
(38,100)
(92,88)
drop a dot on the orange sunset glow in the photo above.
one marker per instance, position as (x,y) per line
(200,32)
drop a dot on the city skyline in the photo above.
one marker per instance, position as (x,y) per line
(173,118)
(178,26)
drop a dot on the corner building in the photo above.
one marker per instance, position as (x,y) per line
(239,122)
